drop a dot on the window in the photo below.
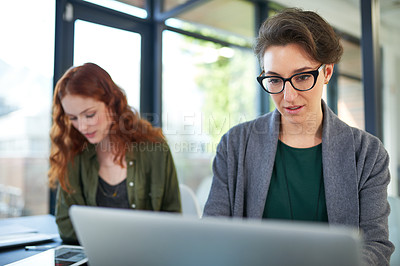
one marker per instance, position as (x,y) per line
(133,7)
(350,89)
(207,89)
(26,76)
(117,51)
(390,58)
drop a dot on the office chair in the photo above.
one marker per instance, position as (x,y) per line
(190,206)
(394,228)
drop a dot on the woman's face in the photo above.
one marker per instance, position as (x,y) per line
(296,107)
(89,116)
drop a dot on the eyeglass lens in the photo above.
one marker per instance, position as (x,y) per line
(301,82)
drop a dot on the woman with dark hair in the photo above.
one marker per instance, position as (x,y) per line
(301,162)
(103,153)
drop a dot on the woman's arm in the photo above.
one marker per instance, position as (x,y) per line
(218,202)
(171,200)
(374,209)
(65,200)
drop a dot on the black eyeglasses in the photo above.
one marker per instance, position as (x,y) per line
(303,81)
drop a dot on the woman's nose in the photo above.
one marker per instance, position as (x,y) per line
(289,93)
(82,125)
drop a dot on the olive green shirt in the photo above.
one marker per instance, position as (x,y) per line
(151,182)
(296,191)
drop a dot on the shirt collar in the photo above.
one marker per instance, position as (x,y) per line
(90,151)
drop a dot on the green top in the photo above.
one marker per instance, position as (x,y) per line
(151,183)
(296,191)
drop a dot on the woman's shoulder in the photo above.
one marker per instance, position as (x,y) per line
(260,125)
(366,141)
(345,133)
(363,141)
(151,156)
(149,150)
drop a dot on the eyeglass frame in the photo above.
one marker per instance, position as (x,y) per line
(315,74)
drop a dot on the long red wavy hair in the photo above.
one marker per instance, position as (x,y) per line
(90,80)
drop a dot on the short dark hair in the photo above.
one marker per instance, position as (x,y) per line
(306,28)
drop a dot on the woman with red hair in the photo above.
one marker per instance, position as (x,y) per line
(103,153)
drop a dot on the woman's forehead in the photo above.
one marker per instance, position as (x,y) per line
(75,104)
(287,58)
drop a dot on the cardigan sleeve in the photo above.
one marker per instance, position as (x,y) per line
(218,202)
(374,207)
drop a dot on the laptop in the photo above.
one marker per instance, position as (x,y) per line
(16,235)
(127,237)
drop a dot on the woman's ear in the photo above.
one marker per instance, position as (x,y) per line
(328,72)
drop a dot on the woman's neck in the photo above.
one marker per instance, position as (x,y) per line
(110,171)
(305,135)
(105,152)
(104,146)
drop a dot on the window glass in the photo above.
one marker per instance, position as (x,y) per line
(229,20)
(350,89)
(350,63)
(26,77)
(207,89)
(171,4)
(116,51)
(389,38)
(351,102)
(131,7)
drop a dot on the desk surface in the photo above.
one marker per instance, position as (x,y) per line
(43,223)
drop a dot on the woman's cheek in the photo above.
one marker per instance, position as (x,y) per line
(75,124)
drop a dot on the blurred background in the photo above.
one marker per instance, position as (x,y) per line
(187,66)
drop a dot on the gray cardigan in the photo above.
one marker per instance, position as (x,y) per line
(355,171)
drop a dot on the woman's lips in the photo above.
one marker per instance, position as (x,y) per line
(90,135)
(295,109)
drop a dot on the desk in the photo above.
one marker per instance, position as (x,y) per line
(43,223)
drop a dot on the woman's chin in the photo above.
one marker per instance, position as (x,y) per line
(93,140)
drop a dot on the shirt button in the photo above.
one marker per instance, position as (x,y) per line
(130,163)
(133,206)
(131,184)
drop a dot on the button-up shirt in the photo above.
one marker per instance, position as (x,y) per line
(151,180)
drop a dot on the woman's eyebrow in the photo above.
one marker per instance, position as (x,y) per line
(272,73)
(302,69)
